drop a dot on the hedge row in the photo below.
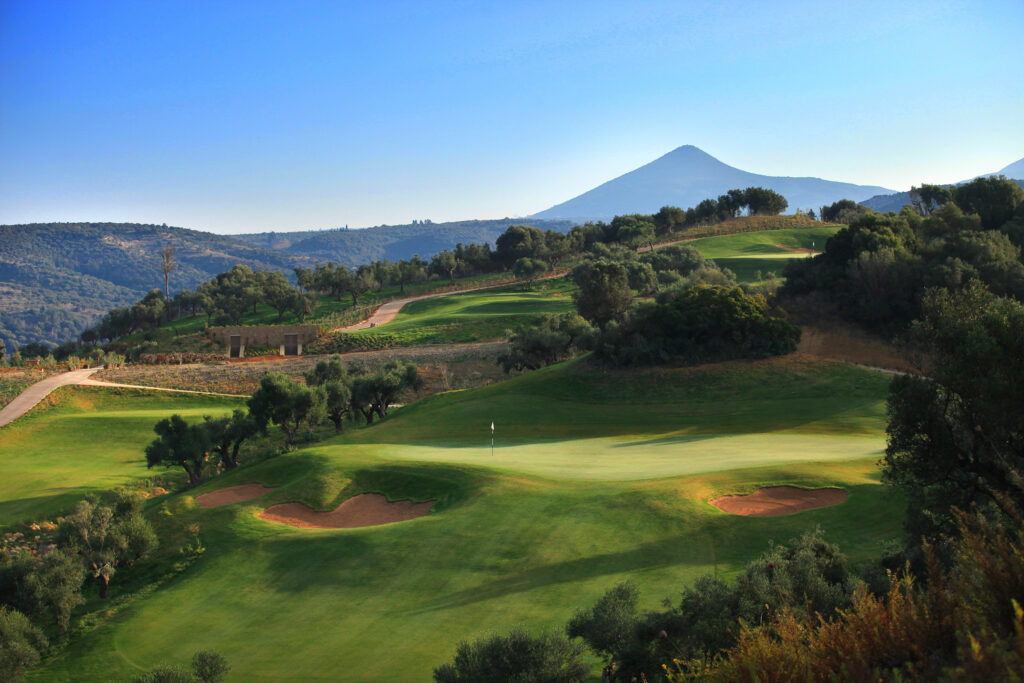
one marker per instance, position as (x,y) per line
(341,342)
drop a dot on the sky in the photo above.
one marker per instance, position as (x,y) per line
(256,116)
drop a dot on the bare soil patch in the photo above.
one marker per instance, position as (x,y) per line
(774,501)
(232,494)
(366,509)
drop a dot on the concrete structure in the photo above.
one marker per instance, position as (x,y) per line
(289,339)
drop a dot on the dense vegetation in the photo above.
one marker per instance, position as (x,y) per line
(56,279)
(126,262)
(876,271)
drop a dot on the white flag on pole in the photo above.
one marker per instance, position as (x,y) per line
(492,428)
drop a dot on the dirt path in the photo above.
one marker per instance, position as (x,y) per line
(27,400)
(387,312)
(100,383)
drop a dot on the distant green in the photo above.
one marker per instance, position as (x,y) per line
(474,316)
(751,253)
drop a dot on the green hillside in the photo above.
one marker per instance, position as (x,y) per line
(596,477)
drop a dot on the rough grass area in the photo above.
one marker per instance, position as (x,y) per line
(598,477)
(444,367)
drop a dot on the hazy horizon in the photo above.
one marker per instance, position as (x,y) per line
(253,117)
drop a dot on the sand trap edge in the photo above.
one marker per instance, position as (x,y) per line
(363,510)
(775,501)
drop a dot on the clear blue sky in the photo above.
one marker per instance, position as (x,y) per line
(253,116)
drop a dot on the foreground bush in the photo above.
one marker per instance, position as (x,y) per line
(515,657)
(207,667)
(962,624)
(702,324)
(809,574)
(20,643)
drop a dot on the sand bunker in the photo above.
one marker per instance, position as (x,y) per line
(779,500)
(232,494)
(366,509)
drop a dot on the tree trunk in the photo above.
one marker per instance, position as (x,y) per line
(167,285)
(368,414)
(104,583)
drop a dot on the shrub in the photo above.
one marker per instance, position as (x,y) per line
(550,340)
(20,643)
(963,624)
(697,325)
(341,342)
(516,657)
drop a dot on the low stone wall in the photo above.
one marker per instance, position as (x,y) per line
(264,336)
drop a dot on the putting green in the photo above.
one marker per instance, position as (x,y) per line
(647,457)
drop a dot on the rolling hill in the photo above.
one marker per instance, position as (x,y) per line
(391,242)
(56,279)
(687,175)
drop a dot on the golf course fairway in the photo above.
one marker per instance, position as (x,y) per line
(597,477)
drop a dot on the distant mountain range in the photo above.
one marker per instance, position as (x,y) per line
(897,200)
(391,242)
(686,176)
(56,279)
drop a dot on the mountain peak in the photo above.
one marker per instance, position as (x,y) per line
(686,176)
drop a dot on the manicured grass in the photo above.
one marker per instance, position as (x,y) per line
(474,316)
(751,254)
(83,439)
(760,244)
(599,477)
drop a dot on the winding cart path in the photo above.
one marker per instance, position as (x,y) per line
(28,399)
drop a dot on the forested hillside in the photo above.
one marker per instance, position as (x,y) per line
(391,242)
(56,279)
